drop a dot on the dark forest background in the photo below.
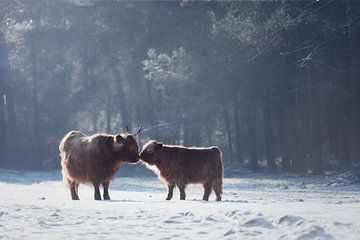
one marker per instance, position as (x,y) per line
(275,84)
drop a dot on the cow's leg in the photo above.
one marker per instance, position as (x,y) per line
(207,191)
(170,191)
(217,185)
(182,191)
(97,195)
(106,190)
(73,190)
(77,189)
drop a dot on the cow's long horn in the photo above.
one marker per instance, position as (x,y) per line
(139,130)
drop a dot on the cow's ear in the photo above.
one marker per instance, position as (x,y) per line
(119,138)
(129,136)
(110,140)
(119,142)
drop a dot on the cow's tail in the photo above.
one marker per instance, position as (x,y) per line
(65,180)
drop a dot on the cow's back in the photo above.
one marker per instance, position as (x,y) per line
(203,163)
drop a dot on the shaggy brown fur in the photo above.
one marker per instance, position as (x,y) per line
(179,165)
(95,159)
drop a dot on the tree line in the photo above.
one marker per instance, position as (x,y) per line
(275,84)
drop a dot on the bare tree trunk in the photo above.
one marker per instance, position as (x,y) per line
(285,152)
(237,131)
(251,126)
(3,78)
(125,110)
(187,134)
(108,116)
(344,125)
(296,135)
(285,119)
(3,152)
(94,121)
(317,140)
(11,126)
(269,140)
(209,132)
(35,93)
(195,134)
(8,129)
(10,109)
(316,143)
(354,61)
(333,124)
(121,95)
(228,130)
(148,102)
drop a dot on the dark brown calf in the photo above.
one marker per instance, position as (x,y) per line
(179,165)
(95,159)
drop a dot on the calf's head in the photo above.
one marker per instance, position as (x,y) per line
(150,151)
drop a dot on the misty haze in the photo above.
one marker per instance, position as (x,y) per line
(179,119)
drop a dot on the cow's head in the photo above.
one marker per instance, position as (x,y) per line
(126,148)
(150,152)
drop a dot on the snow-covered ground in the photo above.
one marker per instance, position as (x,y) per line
(38,206)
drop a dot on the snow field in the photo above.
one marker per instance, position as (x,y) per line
(38,206)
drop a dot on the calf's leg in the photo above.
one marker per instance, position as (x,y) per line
(73,190)
(182,192)
(97,195)
(106,190)
(207,191)
(170,191)
(217,185)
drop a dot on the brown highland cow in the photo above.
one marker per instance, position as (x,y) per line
(95,159)
(179,165)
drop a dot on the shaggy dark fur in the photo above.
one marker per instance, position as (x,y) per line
(95,159)
(179,165)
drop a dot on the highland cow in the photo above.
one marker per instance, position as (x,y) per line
(180,166)
(95,159)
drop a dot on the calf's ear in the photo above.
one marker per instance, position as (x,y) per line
(158,145)
(151,147)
